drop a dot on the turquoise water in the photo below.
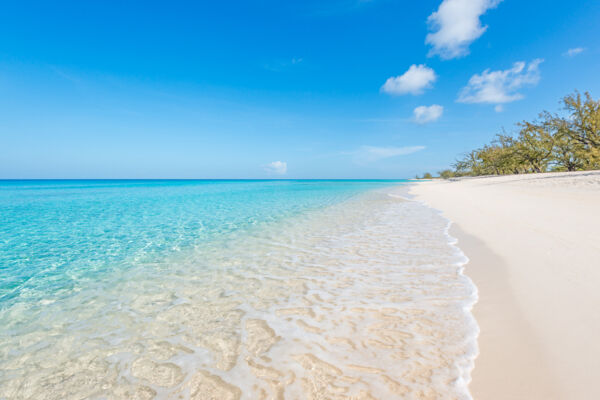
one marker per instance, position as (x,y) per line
(57,234)
(231,290)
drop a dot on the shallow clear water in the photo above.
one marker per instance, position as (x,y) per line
(229,289)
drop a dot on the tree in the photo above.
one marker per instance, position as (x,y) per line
(470,164)
(534,146)
(552,142)
(446,174)
(566,155)
(583,127)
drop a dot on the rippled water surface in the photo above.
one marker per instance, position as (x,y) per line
(229,290)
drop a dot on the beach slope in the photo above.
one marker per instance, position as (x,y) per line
(534,248)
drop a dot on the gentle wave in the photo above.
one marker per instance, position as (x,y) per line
(363,298)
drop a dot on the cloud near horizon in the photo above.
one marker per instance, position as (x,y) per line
(276,167)
(425,114)
(455,26)
(368,154)
(414,81)
(574,51)
(500,87)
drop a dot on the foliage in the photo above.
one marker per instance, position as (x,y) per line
(551,143)
(426,175)
(446,174)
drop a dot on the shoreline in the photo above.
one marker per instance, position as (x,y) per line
(533,244)
(503,331)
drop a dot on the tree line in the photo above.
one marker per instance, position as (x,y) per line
(566,141)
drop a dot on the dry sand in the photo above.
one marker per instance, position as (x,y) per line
(534,248)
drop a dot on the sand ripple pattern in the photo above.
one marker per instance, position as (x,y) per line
(361,300)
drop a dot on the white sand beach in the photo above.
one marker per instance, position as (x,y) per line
(534,248)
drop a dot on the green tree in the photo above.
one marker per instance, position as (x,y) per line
(552,142)
(469,165)
(583,127)
(566,153)
(446,174)
(534,146)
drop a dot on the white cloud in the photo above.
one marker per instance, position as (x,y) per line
(277,167)
(425,114)
(499,108)
(573,52)
(367,154)
(499,87)
(414,81)
(456,25)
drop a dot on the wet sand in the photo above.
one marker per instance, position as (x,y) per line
(534,248)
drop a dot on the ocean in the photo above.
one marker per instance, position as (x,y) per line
(220,289)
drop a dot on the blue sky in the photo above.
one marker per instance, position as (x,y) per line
(272,89)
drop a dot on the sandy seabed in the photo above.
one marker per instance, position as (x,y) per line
(361,300)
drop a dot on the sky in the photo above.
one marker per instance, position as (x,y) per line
(279,89)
